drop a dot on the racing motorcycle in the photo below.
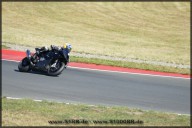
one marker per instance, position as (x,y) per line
(53,62)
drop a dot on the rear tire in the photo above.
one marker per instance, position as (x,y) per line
(57,72)
(24,65)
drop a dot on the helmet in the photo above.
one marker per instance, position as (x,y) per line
(68,46)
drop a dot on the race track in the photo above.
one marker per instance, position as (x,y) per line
(98,87)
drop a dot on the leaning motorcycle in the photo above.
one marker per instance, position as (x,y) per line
(52,62)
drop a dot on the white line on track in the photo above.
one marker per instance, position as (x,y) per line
(10,60)
(38,100)
(13,98)
(116,71)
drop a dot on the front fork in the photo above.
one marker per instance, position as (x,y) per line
(28,53)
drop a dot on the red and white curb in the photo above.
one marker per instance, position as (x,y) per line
(16,56)
(127,72)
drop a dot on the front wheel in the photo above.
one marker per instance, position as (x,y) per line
(56,68)
(24,65)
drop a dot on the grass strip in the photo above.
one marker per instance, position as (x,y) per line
(4,47)
(26,112)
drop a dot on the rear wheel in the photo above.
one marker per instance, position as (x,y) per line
(24,65)
(56,68)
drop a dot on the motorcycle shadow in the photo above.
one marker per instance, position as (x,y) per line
(36,72)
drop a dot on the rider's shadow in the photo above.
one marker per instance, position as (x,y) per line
(35,72)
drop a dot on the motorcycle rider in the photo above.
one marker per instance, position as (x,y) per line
(67,48)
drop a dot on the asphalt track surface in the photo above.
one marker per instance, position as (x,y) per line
(83,86)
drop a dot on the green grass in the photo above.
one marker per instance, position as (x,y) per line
(130,65)
(4,47)
(26,112)
(154,31)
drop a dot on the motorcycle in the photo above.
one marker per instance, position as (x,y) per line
(53,62)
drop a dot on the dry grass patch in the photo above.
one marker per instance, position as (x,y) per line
(158,31)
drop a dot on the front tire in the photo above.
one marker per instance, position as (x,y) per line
(24,65)
(55,72)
